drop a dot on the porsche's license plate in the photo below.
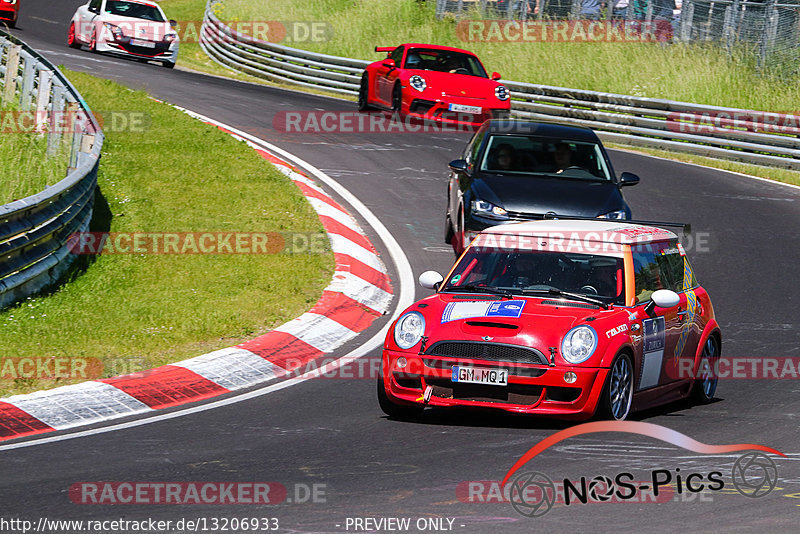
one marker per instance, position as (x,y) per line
(480,375)
(144,44)
(475,110)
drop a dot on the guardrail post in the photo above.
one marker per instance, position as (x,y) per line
(43,99)
(28,78)
(12,68)
(55,120)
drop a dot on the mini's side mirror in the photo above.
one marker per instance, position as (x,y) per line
(173,23)
(495,76)
(628,178)
(458,165)
(389,63)
(663,298)
(430,280)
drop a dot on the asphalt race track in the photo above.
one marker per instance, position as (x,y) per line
(329,435)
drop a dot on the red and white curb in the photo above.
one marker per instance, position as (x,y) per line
(359,293)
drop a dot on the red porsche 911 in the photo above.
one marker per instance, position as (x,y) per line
(433,82)
(9,10)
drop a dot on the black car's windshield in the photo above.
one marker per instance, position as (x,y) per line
(539,273)
(521,154)
(444,61)
(134,10)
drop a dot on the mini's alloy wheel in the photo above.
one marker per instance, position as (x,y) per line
(615,402)
(705,385)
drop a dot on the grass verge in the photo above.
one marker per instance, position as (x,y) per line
(139,311)
(25,168)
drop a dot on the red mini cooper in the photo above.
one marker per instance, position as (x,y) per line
(433,82)
(565,318)
(9,11)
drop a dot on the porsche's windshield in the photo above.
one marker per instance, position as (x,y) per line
(444,61)
(134,10)
(522,154)
(539,272)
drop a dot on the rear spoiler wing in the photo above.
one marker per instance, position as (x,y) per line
(384,48)
(687,227)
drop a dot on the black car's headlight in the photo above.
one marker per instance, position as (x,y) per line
(489,210)
(418,82)
(618,214)
(409,330)
(579,344)
(501,92)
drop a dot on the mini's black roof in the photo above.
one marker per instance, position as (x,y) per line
(541,129)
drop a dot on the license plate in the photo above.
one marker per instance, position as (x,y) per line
(480,375)
(144,44)
(475,110)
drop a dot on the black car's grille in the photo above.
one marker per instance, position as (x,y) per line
(523,216)
(496,352)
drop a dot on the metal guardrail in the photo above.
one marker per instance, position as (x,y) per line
(34,231)
(713,131)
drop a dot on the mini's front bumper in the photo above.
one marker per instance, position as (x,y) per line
(532,389)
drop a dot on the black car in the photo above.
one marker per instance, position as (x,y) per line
(519,170)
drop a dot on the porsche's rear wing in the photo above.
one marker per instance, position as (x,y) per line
(384,48)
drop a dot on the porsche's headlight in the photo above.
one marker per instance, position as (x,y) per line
(409,330)
(579,344)
(619,214)
(501,92)
(418,83)
(487,209)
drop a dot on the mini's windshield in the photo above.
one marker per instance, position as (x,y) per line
(134,10)
(444,61)
(521,154)
(539,272)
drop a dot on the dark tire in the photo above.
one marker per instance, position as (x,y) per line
(363,94)
(705,385)
(458,239)
(72,40)
(397,99)
(397,411)
(617,396)
(448,230)
(169,64)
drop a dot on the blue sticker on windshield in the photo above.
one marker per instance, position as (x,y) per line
(466,310)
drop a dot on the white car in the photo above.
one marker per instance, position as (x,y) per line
(134,28)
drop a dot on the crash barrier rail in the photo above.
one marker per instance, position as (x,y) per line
(742,135)
(34,231)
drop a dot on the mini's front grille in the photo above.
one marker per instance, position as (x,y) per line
(496,352)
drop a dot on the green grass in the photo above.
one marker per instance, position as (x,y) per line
(25,168)
(180,175)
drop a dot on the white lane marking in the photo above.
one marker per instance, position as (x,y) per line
(232,368)
(406,286)
(320,332)
(78,404)
(45,20)
(361,291)
(342,245)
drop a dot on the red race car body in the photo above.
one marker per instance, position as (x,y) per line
(558,318)
(9,11)
(433,82)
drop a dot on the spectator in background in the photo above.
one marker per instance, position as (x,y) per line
(590,9)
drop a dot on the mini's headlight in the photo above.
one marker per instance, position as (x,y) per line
(501,92)
(619,214)
(579,344)
(409,330)
(487,209)
(418,83)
